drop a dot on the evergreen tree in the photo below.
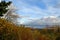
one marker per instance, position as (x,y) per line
(3,7)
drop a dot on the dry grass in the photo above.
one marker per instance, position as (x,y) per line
(9,31)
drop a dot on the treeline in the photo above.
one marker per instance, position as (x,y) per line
(9,31)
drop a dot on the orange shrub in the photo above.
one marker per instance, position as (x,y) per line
(25,34)
(8,31)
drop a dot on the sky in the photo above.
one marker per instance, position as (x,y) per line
(36,12)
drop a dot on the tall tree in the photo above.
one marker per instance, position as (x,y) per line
(7,11)
(11,15)
(3,7)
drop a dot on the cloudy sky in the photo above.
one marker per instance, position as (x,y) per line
(36,12)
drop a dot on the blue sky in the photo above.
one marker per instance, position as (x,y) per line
(34,10)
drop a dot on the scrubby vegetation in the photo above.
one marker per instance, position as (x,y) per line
(9,31)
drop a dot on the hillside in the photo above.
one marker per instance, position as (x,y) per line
(9,31)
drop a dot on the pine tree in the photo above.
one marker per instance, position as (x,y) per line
(7,11)
(3,7)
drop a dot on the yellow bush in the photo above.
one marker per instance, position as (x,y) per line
(8,31)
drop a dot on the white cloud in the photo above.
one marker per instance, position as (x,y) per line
(49,17)
(53,17)
(26,8)
(49,14)
(0,0)
(51,20)
(47,21)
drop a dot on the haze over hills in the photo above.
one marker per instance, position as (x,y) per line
(43,22)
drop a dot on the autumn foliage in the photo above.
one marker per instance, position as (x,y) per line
(10,31)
